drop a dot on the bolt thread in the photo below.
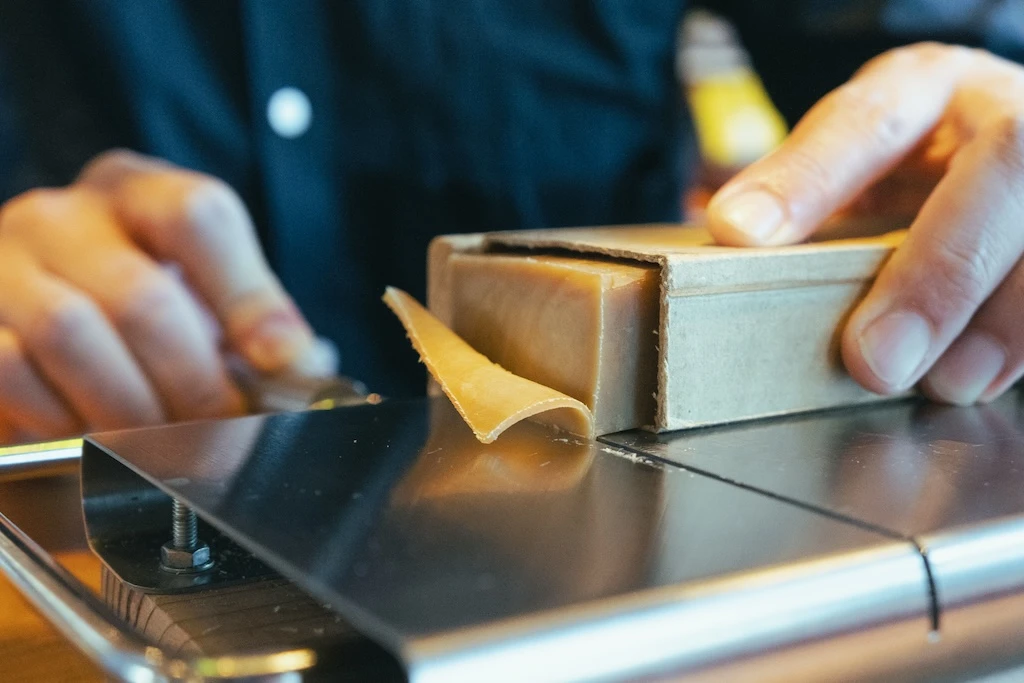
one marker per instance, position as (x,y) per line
(185,526)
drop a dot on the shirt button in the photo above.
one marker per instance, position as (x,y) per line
(289,112)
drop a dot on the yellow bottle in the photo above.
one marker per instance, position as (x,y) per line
(735,121)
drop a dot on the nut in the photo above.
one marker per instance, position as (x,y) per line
(180,561)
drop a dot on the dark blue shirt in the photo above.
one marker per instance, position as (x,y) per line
(429,117)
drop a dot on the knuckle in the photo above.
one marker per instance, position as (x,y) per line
(48,213)
(105,168)
(968,273)
(1007,137)
(893,58)
(60,320)
(925,53)
(219,205)
(29,208)
(150,301)
(929,52)
(924,57)
(872,115)
(118,156)
(803,171)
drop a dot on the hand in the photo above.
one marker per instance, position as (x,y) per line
(947,308)
(97,332)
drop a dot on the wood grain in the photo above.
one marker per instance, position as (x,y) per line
(270,614)
(267,615)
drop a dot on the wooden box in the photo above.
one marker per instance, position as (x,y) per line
(743,333)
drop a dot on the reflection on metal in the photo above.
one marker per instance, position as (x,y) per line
(287,392)
(949,479)
(264,394)
(538,557)
(979,579)
(989,555)
(40,459)
(86,622)
(127,522)
(910,467)
(542,557)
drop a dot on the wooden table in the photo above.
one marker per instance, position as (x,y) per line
(31,649)
(49,510)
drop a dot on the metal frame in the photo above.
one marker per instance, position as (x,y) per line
(85,621)
(88,623)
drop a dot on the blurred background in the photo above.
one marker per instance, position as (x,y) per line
(437,116)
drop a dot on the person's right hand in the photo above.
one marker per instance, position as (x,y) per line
(97,332)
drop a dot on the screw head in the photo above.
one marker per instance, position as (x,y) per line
(179,561)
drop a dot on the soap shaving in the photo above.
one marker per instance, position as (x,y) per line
(488,397)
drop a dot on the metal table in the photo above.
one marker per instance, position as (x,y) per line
(870,544)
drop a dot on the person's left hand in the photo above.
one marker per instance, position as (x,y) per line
(948,307)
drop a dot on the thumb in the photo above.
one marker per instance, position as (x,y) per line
(847,141)
(201,224)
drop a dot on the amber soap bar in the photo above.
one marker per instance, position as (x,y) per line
(586,327)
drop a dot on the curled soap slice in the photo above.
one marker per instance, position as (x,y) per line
(489,398)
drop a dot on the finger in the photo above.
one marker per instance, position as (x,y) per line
(27,403)
(164,331)
(960,247)
(988,357)
(200,223)
(159,322)
(850,139)
(8,434)
(75,348)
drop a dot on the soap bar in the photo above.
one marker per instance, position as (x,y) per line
(742,333)
(489,398)
(585,327)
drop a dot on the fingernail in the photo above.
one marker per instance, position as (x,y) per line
(757,214)
(967,369)
(321,359)
(894,346)
(276,343)
(212,207)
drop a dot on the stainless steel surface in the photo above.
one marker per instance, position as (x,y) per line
(127,523)
(909,467)
(44,516)
(949,479)
(87,623)
(263,393)
(290,392)
(40,459)
(539,557)
(979,580)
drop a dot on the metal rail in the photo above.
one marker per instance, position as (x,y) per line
(87,623)
(40,460)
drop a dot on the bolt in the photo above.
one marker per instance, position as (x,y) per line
(184,554)
(184,526)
